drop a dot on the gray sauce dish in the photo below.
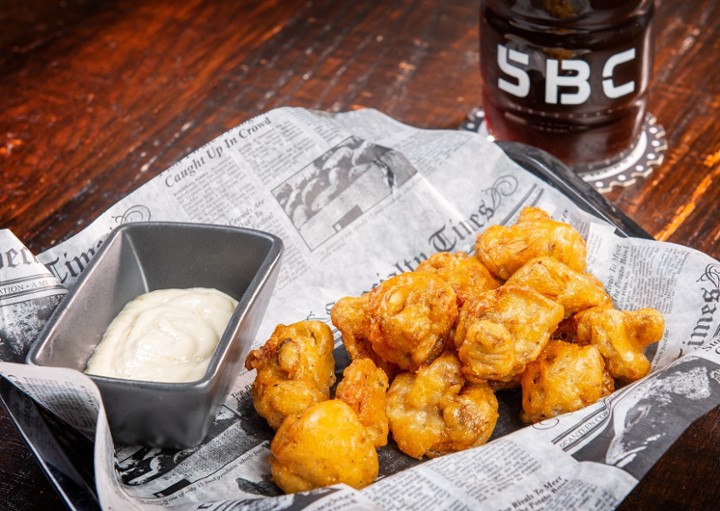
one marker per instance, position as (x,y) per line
(141,257)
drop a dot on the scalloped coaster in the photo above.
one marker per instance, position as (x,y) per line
(647,154)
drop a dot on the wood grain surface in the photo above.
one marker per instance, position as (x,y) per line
(99,96)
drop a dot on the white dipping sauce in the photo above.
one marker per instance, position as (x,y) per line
(168,335)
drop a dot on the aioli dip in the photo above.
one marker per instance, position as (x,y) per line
(167,335)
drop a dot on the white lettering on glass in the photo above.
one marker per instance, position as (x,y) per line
(578,80)
(522,87)
(609,88)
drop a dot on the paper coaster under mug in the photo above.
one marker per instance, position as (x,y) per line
(640,162)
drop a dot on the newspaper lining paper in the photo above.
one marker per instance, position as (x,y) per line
(358,197)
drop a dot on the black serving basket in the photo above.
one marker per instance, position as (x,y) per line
(70,470)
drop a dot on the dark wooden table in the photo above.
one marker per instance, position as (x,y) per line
(99,96)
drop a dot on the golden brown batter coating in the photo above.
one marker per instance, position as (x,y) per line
(465,273)
(564,378)
(364,387)
(505,249)
(501,331)
(470,419)
(350,317)
(434,411)
(447,336)
(323,446)
(621,337)
(574,290)
(411,316)
(295,370)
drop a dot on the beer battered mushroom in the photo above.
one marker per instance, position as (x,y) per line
(621,337)
(505,249)
(502,330)
(295,370)
(364,387)
(435,411)
(465,273)
(350,316)
(322,446)
(411,316)
(574,290)
(564,378)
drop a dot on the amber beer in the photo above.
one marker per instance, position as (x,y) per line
(568,76)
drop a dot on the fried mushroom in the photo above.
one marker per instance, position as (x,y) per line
(505,249)
(564,378)
(350,317)
(364,387)
(574,290)
(465,273)
(621,337)
(501,331)
(411,316)
(322,446)
(434,411)
(295,370)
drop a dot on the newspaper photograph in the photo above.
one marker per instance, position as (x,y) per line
(358,198)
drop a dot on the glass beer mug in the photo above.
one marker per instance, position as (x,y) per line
(567,76)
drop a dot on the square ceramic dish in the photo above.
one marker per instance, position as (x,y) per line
(141,257)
